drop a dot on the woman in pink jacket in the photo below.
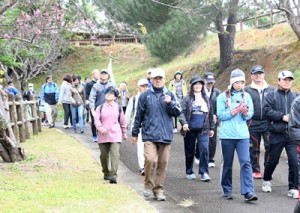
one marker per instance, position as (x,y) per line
(111,125)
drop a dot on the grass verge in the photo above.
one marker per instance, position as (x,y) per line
(60,175)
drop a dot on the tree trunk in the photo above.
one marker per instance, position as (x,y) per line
(292,15)
(10,151)
(227,37)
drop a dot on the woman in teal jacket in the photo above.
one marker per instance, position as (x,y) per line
(234,108)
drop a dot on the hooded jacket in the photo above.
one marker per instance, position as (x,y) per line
(154,116)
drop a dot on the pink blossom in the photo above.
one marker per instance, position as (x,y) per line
(5,35)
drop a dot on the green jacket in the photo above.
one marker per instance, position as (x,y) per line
(172,87)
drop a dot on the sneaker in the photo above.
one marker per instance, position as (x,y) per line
(81,131)
(66,127)
(95,139)
(113,181)
(142,171)
(257,175)
(205,177)
(191,176)
(196,160)
(174,130)
(107,177)
(227,196)
(51,126)
(211,165)
(147,193)
(266,186)
(250,196)
(75,131)
(294,193)
(160,196)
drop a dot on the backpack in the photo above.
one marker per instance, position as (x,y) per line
(120,111)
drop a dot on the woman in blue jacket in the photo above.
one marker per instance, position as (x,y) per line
(234,108)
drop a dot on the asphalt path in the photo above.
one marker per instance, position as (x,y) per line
(185,195)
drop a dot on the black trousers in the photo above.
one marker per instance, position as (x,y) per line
(213,145)
(277,143)
(255,141)
(67,114)
(94,130)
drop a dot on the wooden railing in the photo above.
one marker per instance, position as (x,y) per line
(256,18)
(106,41)
(24,114)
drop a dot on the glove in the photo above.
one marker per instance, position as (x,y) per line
(236,110)
(244,109)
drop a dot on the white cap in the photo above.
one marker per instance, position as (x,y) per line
(158,72)
(30,85)
(285,74)
(150,70)
(142,81)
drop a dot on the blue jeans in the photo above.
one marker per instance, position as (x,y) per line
(242,148)
(77,111)
(189,149)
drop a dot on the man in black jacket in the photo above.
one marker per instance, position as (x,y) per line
(294,132)
(156,107)
(277,110)
(212,93)
(258,125)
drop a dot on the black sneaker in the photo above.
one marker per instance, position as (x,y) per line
(113,181)
(250,196)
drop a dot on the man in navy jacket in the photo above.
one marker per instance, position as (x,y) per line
(155,110)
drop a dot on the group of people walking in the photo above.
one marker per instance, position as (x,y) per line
(243,114)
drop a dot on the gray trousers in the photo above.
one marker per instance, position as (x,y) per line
(110,154)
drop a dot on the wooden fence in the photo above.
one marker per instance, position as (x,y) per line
(270,15)
(106,41)
(24,114)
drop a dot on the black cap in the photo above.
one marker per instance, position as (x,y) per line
(196,79)
(112,90)
(257,68)
(209,77)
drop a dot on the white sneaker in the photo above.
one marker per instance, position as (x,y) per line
(266,186)
(196,161)
(191,176)
(294,193)
(211,165)
(174,130)
(147,193)
(205,177)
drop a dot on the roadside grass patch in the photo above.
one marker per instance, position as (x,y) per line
(60,175)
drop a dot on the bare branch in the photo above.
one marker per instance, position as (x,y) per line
(7,6)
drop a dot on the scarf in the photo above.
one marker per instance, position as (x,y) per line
(199,101)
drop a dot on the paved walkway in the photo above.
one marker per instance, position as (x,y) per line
(197,196)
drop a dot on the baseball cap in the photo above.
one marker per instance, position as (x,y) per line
(142,82)
(158,72)
(257,68)
(209,77)
(285,74)
(30,85)
(104,71)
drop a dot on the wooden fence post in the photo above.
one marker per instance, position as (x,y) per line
(256,21)
(271,18)
(13,116)
(35,127)
(21,119)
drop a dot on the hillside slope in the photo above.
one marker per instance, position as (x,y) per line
(276,49)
